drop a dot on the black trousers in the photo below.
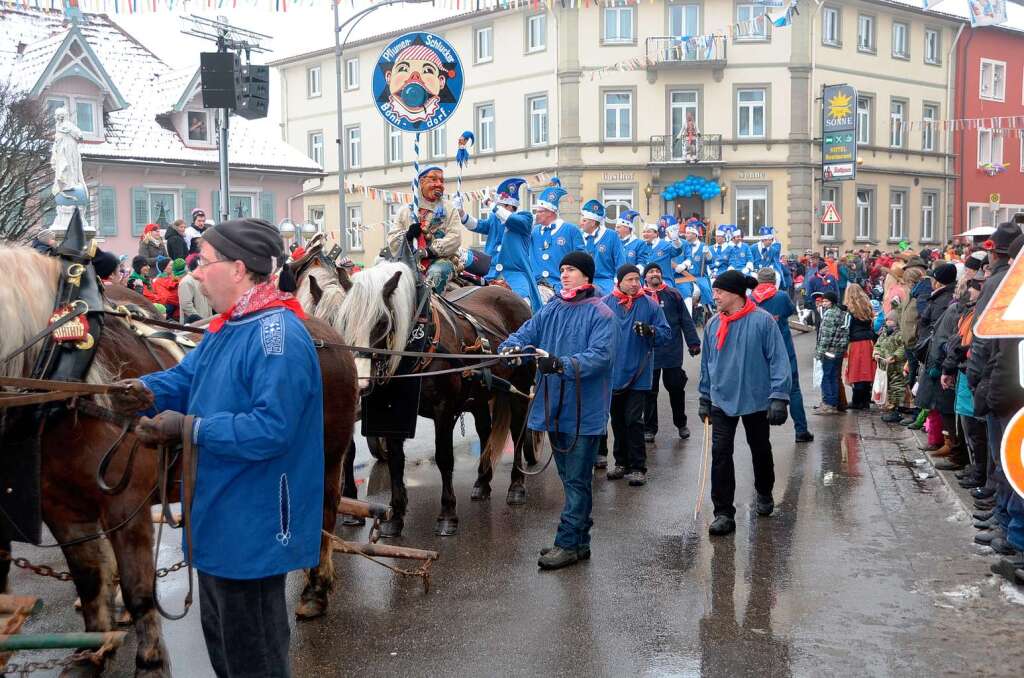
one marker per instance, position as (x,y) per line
(628,429)
(675,384)
(861,394)
(976,433)
(245,623)
(723,473)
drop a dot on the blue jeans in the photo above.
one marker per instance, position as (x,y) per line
(438,274)
(830,380)
(996,426)
(796,404)
(576,470)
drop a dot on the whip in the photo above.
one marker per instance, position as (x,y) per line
(704,463)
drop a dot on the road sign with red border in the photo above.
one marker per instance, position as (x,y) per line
(1003,318)
(831,215)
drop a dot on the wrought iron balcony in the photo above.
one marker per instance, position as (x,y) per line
(672,150)
(705,51)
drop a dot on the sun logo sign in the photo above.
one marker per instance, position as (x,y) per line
(839,106)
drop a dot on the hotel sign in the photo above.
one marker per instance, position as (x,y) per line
(839,133)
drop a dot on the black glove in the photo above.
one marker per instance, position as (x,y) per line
(550,365)
(704,409)
(431,254)
(163,429)
(777,412)
(643,329)
(415,231)
(131,396)
(695,350)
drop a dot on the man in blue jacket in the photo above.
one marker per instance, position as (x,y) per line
(744,374)
(641,327)
(661,244)
(602,244)
(668,358)
(552,237)
(631,244)
(768,254)
(253,385)
(578,332)
(493,227)
(740,257)
(720,251)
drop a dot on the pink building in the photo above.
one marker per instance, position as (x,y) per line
(150,148)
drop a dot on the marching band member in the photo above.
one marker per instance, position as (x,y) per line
(631,244)
(740,258)
(658,249)
(720,251)
(767,254)
(602,244)
(552,237)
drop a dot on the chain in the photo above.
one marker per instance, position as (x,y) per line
(23,669)
(164,571)
(47,571)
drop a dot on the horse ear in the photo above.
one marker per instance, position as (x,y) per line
(391,285)
(346,282)
(315,290)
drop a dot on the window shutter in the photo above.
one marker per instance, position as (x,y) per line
(189,201)
(267,206)
(107,212)
(140,210)
(214,215)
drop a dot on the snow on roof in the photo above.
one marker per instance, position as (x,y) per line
(28,39)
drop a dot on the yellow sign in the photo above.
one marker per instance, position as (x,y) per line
(995,198)
(839,106)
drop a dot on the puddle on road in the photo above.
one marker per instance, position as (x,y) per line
(918,477)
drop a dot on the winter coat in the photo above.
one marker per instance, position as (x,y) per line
(930,394)
(605,247)
(909,317)
(861,330)
(175,243)
(890,345)
(817,284)
(920,294)
(193,303)
(1005,396)
(151,250)
(682,329)
(978,371)
(781,307)
(938,302)
(633,368)
(834,333)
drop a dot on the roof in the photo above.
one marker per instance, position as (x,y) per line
(29,39)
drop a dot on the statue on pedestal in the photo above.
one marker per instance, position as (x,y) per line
(69,187)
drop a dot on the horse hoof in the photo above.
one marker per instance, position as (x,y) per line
(480,493)
(447,527)
(389,529)
(516,496)
(352,521)
(311,608)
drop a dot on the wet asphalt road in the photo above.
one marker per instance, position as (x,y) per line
(865,569)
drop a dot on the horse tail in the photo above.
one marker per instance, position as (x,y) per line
(501,427)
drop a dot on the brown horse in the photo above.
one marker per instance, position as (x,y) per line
(73,444)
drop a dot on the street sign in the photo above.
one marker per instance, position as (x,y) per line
(1004,316)
(831,215)
(995,198)
(1011,452)
(839,133)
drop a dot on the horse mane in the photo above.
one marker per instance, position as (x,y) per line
(365,308)
(28,287)
(333,295)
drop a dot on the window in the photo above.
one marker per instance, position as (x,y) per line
(618,25)
(978,215)
(751,208)
(536,32)
(897,224)
(616,201)
(897,114)
(394,145)
(240,205)
(538,116)
(354,141)
(618,116)
(81,112)
(163,207)
(830,27)
(393,210)
(313,81)
(993,80)
(352,73)
(929,201)
(485,128)
(198,126)
(749,12)
(930,116)
(863,121)
(932,46)
(682,105)
(438,142)
(53,103)
(865,216)
(750,104)
(316,216)
(990,147)
(900,43)
(85,116)
(484,45)
(684,20)
(829,194)
(316,147)
(354,230)
(865,33)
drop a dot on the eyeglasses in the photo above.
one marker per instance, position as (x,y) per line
(203,263)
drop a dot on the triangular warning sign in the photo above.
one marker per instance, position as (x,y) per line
(831,215)
(1004,316)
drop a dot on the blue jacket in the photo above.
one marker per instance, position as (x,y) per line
(514,263)
(681,329)
(781,307)
(697,257)
(495,231)
(256,387)
(921,293)
(815,284)
(751,368)
(661,253)
(719,258)
(740,258)
(769,257)
(582,328)
(634,359)
(549,245)
(632,248)
(606,249)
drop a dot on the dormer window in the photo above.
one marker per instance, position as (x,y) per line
(85,113)
(85,116)
(198,123)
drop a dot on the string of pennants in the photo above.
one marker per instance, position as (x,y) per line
(1013,124)
(535,181)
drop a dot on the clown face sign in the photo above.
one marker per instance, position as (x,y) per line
(418,82)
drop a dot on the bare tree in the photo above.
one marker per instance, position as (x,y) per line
(26,138)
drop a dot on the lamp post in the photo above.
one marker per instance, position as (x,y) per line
(300,232)
(721,199)
(648,192)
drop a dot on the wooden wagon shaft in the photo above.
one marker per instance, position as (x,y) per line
(57,641)
(363,509)
(9,605)
(800,327)
(158,516)
(382,550)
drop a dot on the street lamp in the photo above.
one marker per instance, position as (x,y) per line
(287,229)
(648,192)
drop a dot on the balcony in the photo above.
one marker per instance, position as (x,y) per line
(668,150)
(702,52)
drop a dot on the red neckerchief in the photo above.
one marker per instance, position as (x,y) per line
(569,295)
(764,292)
(653,291)
(627,299)
(261,297)
(725,320)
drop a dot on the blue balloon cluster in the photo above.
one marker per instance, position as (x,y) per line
(705,189)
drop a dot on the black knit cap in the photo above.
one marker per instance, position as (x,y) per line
(652,267)
(831,296)
(579,260)
(625,270)
(104,263)
(138,262)
(254,242)
(735,282)
(945,274)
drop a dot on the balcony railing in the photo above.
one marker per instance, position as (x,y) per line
(701,51)
(704,148)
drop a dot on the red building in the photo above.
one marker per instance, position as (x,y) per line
(989,154)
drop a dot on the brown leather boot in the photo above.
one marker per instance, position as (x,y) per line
(948,446)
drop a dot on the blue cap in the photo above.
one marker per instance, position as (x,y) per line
(593,210)
(723,231)
(766,232)
(626,218)
(669,220)
(549,197)
(508,191)
(555,181)
(423,172)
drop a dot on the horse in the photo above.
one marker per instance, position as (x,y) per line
(73,444)
(376,309)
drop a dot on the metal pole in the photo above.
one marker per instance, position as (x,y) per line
(224,115)
(341,135)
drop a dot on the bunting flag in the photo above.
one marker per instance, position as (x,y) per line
(535,182)
(987,12)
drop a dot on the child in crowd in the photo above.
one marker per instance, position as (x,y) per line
(890,353)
